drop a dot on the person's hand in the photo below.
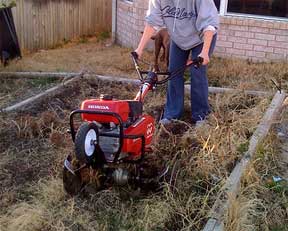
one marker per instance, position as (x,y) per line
(139,53)
(205,57)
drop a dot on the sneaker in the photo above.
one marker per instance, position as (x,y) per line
(200,123)
(165,121)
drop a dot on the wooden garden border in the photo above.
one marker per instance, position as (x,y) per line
(232,185)
(113,78)
(64,75)
(52,90)
(47,92)
(38,74)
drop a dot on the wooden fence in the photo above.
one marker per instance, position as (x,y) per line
(46,23)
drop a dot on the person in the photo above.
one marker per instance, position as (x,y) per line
(192,26)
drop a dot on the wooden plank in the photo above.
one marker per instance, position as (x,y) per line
(48,92)
(64,19)
(108,14)
(213,224)
(21,24)
(71,19)
(50,23)
(232,184)
(45,24)
(37,74)
(74,18)
(81,16)
(38,24)
(114,15)
(216,90)
(89,17)
(58,28)
(25,28)
(213,90)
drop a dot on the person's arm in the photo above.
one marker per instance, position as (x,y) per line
(207,37)
(207,23)
(147,34)
(154,21)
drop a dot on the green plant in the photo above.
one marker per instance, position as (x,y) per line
(8,4)
(103,35)
(41,82)
(279,228)
(243,147)
(277,186)
(83,39)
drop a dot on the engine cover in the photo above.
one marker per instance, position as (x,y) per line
(143,126)
(116,106)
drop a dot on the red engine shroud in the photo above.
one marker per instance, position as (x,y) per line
(120,107)
(144,125)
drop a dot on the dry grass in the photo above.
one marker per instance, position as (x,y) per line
(103,58)
(244,74)
(262,203)
(33,144)
(206,156)
(75,56)
(14,90)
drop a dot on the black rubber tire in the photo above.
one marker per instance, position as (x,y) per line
(80,142)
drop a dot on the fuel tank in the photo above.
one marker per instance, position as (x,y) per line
(119,107)
(125,109)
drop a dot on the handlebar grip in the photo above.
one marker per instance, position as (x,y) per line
(197,62)
(134,55)
(199,59)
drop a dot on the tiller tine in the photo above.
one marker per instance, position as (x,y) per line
(72,180)
(68,166)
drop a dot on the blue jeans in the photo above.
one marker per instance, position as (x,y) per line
(199,84)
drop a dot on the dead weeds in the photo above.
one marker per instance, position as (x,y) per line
(106,59)
(14,90)
(262,203)
(34,143)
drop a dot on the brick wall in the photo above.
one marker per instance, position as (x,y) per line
(257,39)
(130,22)
(240,37)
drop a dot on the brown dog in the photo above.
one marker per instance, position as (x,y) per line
(162,39)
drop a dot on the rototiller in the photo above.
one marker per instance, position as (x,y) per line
(113,139)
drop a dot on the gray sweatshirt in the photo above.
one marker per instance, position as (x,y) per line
(185,19)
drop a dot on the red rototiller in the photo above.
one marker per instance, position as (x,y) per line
(113,139)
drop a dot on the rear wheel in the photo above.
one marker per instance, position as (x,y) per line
(87,137)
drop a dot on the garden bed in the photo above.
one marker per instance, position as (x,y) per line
(34,144)
(14,90)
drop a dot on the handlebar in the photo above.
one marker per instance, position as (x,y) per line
(134,55)
(197,62)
